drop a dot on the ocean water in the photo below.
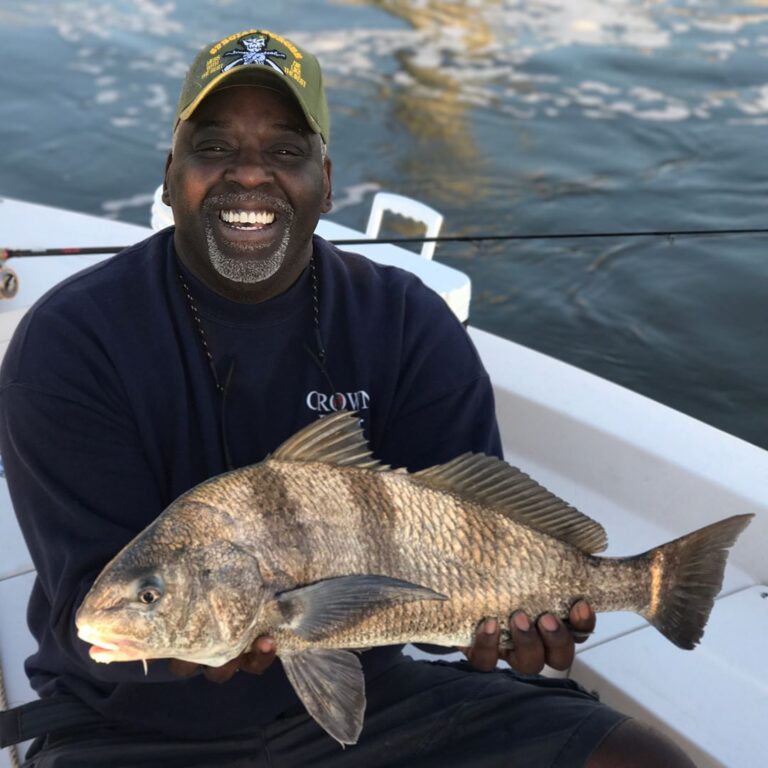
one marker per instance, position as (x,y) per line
(545,117)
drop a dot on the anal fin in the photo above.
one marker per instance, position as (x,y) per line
(331,685)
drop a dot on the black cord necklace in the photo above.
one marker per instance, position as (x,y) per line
(318,356)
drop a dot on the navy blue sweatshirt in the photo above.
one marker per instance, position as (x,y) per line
(108,412)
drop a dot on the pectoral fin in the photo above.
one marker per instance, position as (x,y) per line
(331,686)
(316,611)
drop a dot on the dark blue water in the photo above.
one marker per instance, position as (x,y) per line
(524,117)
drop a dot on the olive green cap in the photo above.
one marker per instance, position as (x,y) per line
(257,57)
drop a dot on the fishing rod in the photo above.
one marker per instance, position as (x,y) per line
(14,253)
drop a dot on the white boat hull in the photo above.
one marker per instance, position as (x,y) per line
(645,471)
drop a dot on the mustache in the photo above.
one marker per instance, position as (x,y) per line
(237,199)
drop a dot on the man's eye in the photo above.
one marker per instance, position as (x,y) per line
(287,151)
(211,149)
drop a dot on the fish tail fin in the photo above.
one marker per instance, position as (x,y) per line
(686,576)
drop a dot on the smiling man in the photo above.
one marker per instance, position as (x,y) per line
(202,349)
(247,181)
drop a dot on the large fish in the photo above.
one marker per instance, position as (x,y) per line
(327,550)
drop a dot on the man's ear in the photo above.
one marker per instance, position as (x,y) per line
(327,185)
(166,195)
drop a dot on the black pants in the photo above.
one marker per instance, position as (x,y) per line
(418,714)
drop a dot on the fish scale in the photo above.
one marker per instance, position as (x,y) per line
(328,550)
(434,540)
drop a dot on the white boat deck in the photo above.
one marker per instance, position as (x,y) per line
(648,473)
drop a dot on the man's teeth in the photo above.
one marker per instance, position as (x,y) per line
(247,217)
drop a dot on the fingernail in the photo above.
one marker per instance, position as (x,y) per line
(265,645)
(521,621)
(549,622)
(582,610)
(491,626)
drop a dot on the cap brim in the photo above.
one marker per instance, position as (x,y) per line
(250,74)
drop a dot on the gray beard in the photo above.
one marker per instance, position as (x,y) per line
(244,269)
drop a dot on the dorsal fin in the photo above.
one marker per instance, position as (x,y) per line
(491,482)
(336,439)
(486,480)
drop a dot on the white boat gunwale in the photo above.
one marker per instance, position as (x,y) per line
(647,472)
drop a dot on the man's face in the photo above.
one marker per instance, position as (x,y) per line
(247,183)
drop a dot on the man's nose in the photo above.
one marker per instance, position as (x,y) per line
(250,168)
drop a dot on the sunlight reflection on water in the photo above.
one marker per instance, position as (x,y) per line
(541,116)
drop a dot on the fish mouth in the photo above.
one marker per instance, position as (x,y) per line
(107,648)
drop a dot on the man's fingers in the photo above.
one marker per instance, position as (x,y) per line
(582,621)
(549,642)
(183,668)
(261,655)
(528,653)
(256,660)
(559,647)
(223,673)
(484,653)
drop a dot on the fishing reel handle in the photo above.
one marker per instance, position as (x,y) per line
(9,283)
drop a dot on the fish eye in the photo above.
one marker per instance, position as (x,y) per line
(149,590)
(149,595)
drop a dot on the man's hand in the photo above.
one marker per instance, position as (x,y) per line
(550,641)
(255,660)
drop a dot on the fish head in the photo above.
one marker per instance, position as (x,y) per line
(194,597)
